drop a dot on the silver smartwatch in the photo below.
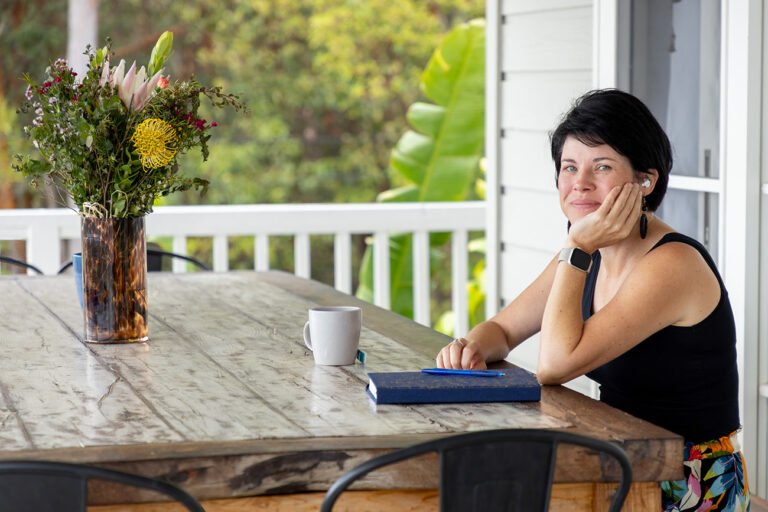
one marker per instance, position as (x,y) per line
(576,258)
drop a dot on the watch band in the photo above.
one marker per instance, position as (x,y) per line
(577,258)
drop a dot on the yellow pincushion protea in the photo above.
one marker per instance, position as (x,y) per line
(155,142)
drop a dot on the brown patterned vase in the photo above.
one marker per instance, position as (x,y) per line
(114,280)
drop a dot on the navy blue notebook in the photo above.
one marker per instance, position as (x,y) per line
(517,385)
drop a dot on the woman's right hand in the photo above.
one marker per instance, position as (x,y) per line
(612,222)
(460,354)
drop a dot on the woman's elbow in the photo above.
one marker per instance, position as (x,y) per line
(549,376)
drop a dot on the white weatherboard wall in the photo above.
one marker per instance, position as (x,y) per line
(544,63)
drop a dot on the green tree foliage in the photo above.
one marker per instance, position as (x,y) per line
(28,36)
(31,32)
(440,157)
(328,82)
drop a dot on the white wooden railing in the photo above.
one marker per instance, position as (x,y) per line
(44,229)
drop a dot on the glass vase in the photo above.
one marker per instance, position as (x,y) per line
(114,280)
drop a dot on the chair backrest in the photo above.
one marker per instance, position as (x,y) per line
(19,263)
(155,259)
(496,470)
(41,486)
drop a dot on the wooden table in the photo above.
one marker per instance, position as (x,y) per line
(226,401)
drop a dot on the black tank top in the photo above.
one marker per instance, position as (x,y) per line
(684,379)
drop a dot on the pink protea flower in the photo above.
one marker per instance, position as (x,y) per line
(134,88)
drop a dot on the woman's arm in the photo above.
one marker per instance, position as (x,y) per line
(493,339)
(671,285)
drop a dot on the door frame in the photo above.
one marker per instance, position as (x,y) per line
(739,186)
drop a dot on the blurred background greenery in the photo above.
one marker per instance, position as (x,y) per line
(328,83)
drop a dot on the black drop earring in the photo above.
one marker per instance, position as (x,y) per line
(568,230)
(644,222)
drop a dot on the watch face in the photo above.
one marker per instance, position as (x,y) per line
(581,259)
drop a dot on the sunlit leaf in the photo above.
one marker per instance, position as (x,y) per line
(440,156)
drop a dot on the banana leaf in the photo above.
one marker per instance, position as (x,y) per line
(439,157)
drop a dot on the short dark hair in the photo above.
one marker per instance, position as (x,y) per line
(620,120)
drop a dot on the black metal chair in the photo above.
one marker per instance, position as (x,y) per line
(497,470)
(155,258)
(41,486)
(64,267)
(19,263)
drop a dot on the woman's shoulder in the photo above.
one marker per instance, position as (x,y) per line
(683,269)
(679,250)
(676,254)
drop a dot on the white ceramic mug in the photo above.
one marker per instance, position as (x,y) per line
(333,334)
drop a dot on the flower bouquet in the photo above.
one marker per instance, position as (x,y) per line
(112,140)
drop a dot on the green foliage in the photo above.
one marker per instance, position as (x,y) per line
(8,142)
(30,32)
(475,291)
(112,139)
(327,81)
(476,284)
(439,158)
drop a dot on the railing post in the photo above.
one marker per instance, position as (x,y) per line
(381,286)
(43,249)
(261,252)
(342,262)
(220,253)
(459,264)
(302,256)
(179,247)
(421,289)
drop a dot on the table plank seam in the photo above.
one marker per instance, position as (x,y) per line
(58,319)
(14,411)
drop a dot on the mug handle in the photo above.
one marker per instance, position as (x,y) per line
(307,339)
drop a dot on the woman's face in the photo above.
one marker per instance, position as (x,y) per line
(587,174)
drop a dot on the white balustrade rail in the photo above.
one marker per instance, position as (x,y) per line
(44,229)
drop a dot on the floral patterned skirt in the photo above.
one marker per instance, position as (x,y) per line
(715,479)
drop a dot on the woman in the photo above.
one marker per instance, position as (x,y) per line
(629,302)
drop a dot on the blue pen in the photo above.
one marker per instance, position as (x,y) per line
(467,373)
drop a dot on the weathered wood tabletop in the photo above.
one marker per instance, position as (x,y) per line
(226,401)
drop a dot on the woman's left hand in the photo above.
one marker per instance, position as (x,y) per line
(612,222)
(460,354)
